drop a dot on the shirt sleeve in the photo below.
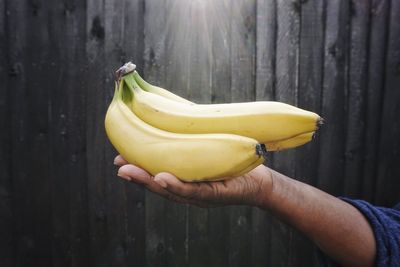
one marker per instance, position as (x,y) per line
(385,223)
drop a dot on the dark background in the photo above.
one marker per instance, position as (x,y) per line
(60,201)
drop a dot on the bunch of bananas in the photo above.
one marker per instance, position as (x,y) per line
(162,132)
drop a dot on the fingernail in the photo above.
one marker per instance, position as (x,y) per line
(124,177)
(160,182)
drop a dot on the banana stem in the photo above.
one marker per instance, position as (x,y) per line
(124,70)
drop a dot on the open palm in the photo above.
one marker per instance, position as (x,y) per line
(247,189)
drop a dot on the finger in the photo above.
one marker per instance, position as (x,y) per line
(119,161)
(133,173)
(193,191)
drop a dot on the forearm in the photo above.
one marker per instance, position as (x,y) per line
(337,227)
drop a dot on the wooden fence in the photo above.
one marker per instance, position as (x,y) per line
(60,201)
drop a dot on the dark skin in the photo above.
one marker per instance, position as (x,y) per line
(335,226)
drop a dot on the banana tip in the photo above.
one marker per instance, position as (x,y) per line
(261,150)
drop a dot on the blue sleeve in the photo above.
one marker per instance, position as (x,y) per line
(385,223)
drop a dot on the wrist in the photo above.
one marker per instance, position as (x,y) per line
(266,184)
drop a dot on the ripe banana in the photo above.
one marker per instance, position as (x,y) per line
(265,121)
(280,145)
(191,157)
(290,143)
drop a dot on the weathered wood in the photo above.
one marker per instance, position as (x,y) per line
(265,90)
(220,48)
(311,61)
(30,146)
(376,66)
(356,103)
(95,137)
(242,55)
(220,39)
(61,203)
(286,90)
(154,63)
(334,98)
(196,51)
(387,187)
(70,239)
(132,44)
(7,236)
(17,79)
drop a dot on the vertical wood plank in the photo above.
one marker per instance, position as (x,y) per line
(17,79)
(354,153)
(154,46)
(221,40)
(95,137)
(198,29)
(133,47)
(218,218)
(29,109)
(176,61)
(334,98)
(311,61)
(379,12)
(114,24)
(287,63)
(242,54)
(386,188)
(7,240)
(75,14)
(67,119)
(265,90)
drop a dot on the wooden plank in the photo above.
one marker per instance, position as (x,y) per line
(334,97)
(7,240)
(311,61)
(17,80)
(221,64)
(354,151)
(154,46)
(196,52)
(95,137)
(177,60)
(265,90)
(377,47)
(242,55)
(218,218)
(70,227)
(60,135)
(29,109)
(387,187)
(133,47)
(286,71)
(115,188)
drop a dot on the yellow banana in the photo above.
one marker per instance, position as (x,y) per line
(191,157)
(280,145)
(265,121)
(290,143)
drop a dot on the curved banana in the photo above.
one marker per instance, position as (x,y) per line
(280,145)
(191,157)
(293,142)
(265,121)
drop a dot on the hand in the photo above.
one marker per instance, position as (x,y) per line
(249,189)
